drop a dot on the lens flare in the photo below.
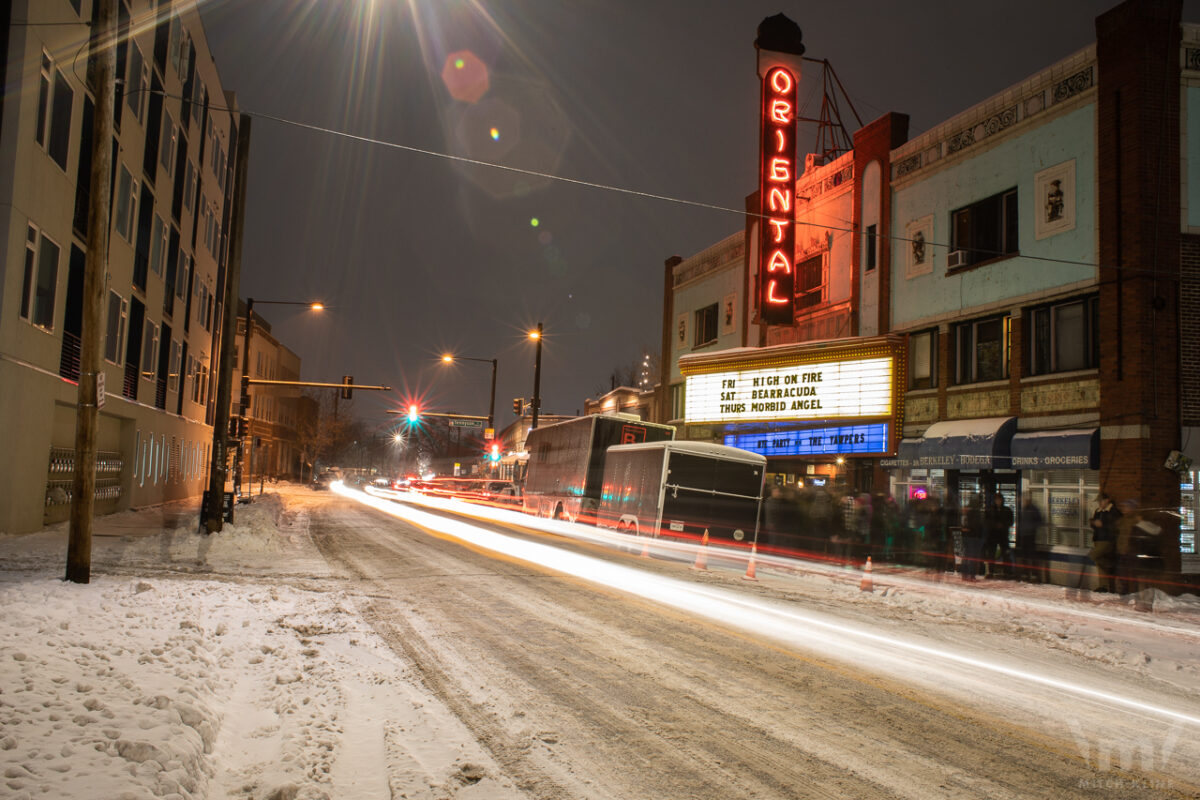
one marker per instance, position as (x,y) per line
(466,76)
(534,222)
(495,134)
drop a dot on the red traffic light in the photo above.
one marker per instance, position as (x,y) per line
(414,413)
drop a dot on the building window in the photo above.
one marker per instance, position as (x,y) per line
(137,83)
(41,279)
(174,39)
(984,230)
(182,276)
(199,98)
(126,211)
(149,348)
(922,359)
(1064,336)
(981,350)
(114,335)
(158,245)
(55,99)
(166,144)
(189,185)
(677,400)
(173,376)
(706,325)
(810,282)
(872,244)
(1066,499)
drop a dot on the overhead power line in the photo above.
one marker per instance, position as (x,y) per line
(740,212)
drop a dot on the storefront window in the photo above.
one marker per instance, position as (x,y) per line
(910,487)
(1066,499)
(1188,500)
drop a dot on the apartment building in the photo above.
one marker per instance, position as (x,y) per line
(171,185)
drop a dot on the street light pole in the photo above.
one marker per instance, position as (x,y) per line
(450,359)
(537,377)
(492,402)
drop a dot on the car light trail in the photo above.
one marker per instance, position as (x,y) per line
(683,550)
(788,625)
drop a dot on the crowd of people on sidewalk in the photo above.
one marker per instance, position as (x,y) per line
(971,537)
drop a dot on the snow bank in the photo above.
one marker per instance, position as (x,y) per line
(199,677)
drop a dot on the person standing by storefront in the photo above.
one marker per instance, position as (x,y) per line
(973,532)
(998,521)
(1029,522)
(776,517)
(1104,536)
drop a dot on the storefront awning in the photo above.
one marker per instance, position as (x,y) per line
(962,444)
(968,444)
(1067,449)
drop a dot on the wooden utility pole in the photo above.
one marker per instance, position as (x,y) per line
(212,513)
(102,70)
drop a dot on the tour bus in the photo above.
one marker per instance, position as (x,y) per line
(566,461)
(683,489)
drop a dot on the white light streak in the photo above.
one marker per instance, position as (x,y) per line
(788,625)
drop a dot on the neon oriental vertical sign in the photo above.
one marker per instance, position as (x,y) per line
(777,192)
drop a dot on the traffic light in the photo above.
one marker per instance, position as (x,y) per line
(494,452)
(347,381)
(414,414)
(517,403)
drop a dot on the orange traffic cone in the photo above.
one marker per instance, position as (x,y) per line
(702,553)
(866,584)
(749,576)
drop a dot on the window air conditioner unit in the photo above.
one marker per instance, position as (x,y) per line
(956,258)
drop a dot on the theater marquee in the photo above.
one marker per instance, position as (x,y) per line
(860,388)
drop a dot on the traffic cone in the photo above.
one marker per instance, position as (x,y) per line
(866,584)
(702,553)
(749,576)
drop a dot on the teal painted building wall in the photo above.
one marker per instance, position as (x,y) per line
(1015,161)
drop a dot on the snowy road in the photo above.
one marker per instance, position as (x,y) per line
(331,647)
(699,684)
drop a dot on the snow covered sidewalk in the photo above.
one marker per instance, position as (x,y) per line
(211,667)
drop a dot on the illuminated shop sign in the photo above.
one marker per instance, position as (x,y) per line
(777,190)
(840,440)
(825,390)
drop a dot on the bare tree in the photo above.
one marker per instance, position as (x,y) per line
(320,433)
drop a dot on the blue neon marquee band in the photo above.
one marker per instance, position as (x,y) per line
(836,440)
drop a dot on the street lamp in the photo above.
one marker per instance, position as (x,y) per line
(537,376)
(243,414)
(450,359)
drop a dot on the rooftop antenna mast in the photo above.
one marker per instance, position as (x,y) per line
(832,137)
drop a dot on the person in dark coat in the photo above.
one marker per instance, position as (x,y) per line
(998,521)
(1104,542)
(974,532)
(775,517)
(1029,522)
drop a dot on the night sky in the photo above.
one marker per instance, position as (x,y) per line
(417,254)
